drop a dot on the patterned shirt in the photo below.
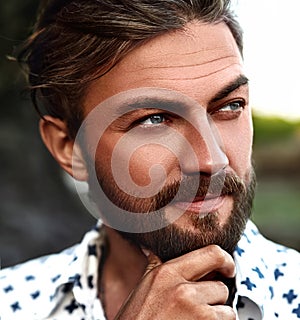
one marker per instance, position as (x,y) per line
(64,286)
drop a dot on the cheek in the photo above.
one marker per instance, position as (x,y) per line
(152,164)
(238,145)
(103,156)
(130,168)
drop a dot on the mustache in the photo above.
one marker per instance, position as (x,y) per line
(186,189)
(195,187)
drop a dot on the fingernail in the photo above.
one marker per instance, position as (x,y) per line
(146,252)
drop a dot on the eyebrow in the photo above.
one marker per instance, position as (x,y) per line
(232,86)
(175,106)
(151,103)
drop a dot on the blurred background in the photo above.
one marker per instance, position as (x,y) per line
(39,214)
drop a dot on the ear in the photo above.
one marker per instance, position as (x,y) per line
(54,133)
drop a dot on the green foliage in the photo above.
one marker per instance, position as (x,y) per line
(271,129)
(277,209)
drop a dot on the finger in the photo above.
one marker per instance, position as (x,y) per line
(153,260)
(196,264)
(208,293)
(224,313)
(212,292)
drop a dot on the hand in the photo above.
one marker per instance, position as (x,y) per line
(183,288)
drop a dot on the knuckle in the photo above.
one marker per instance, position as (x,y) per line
(181,292)
(218,254)
(221,287)
(222,291)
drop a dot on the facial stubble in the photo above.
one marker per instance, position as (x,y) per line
(172,241)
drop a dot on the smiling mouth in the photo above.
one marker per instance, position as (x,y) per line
(202,205)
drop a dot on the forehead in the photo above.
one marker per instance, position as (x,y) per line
(199,56)
(195,45)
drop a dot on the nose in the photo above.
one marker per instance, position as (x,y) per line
(206,144)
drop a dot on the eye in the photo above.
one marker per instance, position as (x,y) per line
(229,111)
(154,119)
(233,106)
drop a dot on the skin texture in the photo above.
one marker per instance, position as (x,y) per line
(178,295)
(198,62)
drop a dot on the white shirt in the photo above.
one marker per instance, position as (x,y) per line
(64,286)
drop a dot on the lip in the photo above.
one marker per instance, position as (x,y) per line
(202,206)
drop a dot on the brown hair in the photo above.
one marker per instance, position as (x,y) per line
(76,41)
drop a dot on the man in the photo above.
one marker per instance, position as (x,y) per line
(147,101)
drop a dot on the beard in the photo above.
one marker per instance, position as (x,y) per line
(172,241)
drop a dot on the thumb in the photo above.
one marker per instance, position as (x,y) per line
(153,260)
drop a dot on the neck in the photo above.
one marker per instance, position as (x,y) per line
(123,268)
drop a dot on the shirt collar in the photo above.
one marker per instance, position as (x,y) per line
(81,273)
(252,272)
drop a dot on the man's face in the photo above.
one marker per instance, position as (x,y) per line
(193,140)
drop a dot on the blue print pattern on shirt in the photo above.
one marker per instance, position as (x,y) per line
(297,311)
(64,286)
(290,296)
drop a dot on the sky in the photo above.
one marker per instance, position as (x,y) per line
(272,55)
